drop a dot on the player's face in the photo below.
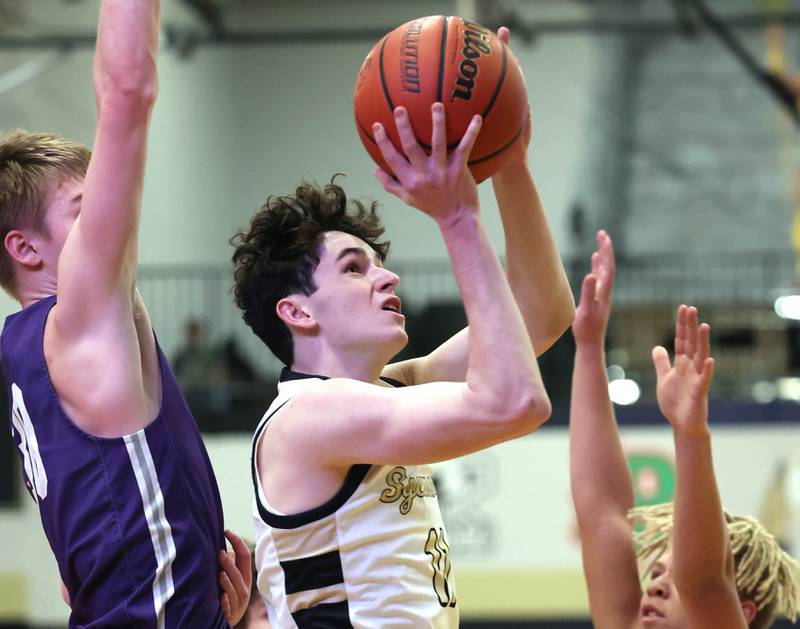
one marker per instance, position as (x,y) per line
(661,606)
(63,208)
(355,303)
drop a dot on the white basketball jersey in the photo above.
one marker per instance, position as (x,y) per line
(373,556)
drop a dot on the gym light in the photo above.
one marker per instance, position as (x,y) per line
(623,391)
(788,307)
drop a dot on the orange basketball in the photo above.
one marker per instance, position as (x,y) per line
(450,60)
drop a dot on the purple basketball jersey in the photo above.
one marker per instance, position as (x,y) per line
(135,522)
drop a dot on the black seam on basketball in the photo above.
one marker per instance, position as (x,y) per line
(365,132)
(500,150)
(383,77)
(499,83)
(442,51)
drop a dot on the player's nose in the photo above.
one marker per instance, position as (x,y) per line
(658,588)
(386,280)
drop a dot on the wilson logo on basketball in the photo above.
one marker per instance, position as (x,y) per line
(409,57)
(476,43)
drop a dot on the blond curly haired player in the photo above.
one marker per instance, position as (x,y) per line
(703,568)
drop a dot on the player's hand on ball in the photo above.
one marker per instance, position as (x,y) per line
(682,389)
(439,184)
(591,315)
(236,579)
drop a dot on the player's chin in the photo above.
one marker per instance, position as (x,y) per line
(399,339)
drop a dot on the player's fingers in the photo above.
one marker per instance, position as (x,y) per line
(588,291)
(606,249)
(691,333)
(439,135)
(605,265)
(504,34)
(233,575)
(395,160)
(703,348)
(596,263)
(226,608)
(408,140)
(390,184)
(243,561)
(708,372)
(661,361)
(230,596)
(468,141)
(680,331)
(241,551)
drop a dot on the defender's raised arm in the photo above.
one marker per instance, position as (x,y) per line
(602,491)
(98,262)
(702,561)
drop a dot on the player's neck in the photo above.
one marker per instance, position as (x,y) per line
(34,287)
(354,365)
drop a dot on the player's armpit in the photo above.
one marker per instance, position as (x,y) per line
(341,421)
(446,363)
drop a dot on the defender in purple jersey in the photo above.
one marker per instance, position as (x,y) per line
(110,451)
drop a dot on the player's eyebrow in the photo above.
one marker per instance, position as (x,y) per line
(358,251)
(657,566)
(350,250)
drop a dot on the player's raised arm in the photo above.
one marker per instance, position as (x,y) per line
(502,396)
(534,270)
(98,262)
(602,491)
(533,264)
(702,561)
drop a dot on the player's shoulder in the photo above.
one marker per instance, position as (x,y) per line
(335,396)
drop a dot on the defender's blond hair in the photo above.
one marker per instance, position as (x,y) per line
(765,574)
(31,165)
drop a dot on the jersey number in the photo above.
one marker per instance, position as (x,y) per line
(436,546)
(28,445)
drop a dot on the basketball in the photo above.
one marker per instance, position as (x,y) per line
(456,62)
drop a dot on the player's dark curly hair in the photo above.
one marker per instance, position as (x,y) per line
(278,254)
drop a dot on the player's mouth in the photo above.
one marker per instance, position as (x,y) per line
(392,305)
(651,614)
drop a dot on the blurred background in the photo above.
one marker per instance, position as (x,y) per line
(672,124)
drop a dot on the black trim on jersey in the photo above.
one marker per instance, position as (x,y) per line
(312,573)
(353,479)
(324,615)
(395,383)
(287,374)
(355,475)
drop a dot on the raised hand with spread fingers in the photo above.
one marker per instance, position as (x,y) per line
(682,389)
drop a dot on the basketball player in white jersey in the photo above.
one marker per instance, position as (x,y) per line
(349,532)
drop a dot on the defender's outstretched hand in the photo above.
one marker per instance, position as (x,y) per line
(439,184)
(591,316)
(236,578)
(682,388)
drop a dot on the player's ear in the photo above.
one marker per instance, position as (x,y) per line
(22,249)
(295,314)
(749,610)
